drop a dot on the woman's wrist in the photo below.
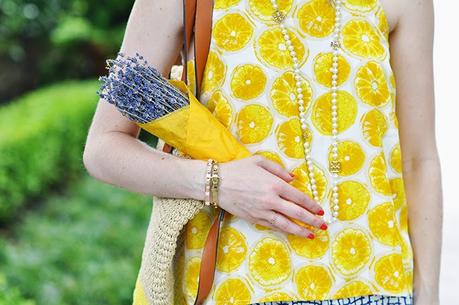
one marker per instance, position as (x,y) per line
(193,178)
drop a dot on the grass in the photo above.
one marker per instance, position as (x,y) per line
(83,247)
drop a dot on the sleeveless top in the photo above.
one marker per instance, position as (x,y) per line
(249,86)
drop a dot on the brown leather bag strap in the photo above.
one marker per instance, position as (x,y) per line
(198,13)
(203,32)
(209,259)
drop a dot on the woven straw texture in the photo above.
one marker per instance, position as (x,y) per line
(164,236)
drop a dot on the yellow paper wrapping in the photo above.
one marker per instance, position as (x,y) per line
(195,131)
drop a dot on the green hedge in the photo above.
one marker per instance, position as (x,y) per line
(41,141)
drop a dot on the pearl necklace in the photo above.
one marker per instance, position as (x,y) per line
(334,164)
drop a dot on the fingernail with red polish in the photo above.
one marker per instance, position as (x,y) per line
(311,236)
(324,226)
(321,213)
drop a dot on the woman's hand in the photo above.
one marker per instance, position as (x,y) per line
(258,190)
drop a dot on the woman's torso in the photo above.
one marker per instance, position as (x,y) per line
(248,84)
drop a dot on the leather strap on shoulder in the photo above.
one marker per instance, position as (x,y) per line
(197,15)
(189,14)
(203,32)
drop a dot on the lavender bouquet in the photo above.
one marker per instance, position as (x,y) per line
(167,109)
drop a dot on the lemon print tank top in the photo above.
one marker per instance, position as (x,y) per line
(249,86)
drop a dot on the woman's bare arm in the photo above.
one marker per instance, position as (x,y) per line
(412,60)
(113,153)
(252,188)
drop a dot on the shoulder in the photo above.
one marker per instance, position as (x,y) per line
(402,12)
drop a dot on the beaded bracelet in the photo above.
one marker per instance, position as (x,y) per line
(210,164)
(215,182)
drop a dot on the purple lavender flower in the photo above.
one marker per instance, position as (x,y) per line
(138,90)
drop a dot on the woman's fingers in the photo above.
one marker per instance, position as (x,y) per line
(298,212)
(280,222)
(275,168)
(291,193)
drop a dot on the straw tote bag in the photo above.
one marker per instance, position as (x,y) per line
(197,17)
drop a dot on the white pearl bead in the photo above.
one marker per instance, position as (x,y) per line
(301,108)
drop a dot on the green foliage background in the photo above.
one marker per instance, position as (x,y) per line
(42,141)
(43,41)
(65,238)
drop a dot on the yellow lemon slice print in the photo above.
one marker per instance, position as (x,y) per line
(310,248)
(214,73)
(317,18)
(371,84)
(223,4)
(353,199)
(254,123)
(323,65)
(196,230)
(351,251)
(271,49)
(362,39)
(284,96)
(389,273)
(374,125)
(264,10)
(377,173)
(383,224)
(352,289)
(321,112)
(232,32)
(192,275)
(271,156)
(360,5)
(248,81)
(313,282)
(398,190)
(232,249)
(290,138)
(220,107)
(396,159)
(404,219)
(351,156)
(232,291)
(383,25)
(269,262)
(277,296)
(301,180)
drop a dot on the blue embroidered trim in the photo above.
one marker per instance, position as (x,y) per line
(360,300)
